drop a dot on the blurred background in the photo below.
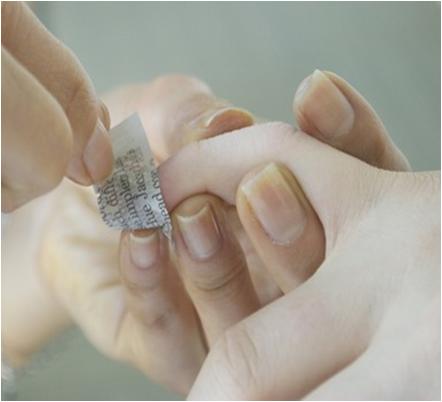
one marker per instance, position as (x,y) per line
(255,55)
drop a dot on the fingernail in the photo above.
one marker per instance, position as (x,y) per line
(200,233)
(303,86)
(320,101)
(144,248)
(228,119)
(97,156)
(275,205)
(219,121)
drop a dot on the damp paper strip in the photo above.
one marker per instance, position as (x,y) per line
(131,197)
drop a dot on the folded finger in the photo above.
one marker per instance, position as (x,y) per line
(160,319)
(330,109)
(59,71)
(36,136)
(212,265)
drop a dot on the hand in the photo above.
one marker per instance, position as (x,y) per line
(52,122)
(63,232)
(222,285)
(366,324)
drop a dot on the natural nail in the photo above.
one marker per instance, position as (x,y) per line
(275,205)
(218,121)
(144,248)
(97,155)
(320,101)
(228,119)
(200,233)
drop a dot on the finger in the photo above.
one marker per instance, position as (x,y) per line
(263,282)
(36,137)
(80,261)
(59,71)
(218,164)
(177,110)
(281,224)
(328,108)
(161,320)
(212,265)
(288,347)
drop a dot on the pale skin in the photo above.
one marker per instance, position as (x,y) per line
(152,316)
(366,325)
(50,112)
(157,303)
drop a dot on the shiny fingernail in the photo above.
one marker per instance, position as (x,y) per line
(144,248)
(320,101)
(97,155)
(200,233)
(275,205)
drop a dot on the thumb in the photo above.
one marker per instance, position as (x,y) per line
(315,332)
(330,179)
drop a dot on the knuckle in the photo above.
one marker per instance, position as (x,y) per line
(140,286)
(78,95)
(156,319)
(222,281)
(160,316)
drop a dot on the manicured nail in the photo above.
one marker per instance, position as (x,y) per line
(200,233)
(320,101)
(275,205)
(144,248)
(97,155)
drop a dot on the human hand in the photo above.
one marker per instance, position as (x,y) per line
(218,280)
(365,325)
(52,122)
(69,243)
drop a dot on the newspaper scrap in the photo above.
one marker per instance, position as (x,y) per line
(131,197)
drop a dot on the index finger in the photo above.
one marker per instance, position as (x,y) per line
(60,72)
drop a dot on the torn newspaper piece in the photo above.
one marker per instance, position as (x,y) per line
(131,197)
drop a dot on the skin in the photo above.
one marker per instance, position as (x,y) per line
(144,315)
(51,262)
(366,325)
(64,120)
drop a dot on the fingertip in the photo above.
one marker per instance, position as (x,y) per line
(197,223)
(144,248)
(221,120)
(281,223)
(321,108)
